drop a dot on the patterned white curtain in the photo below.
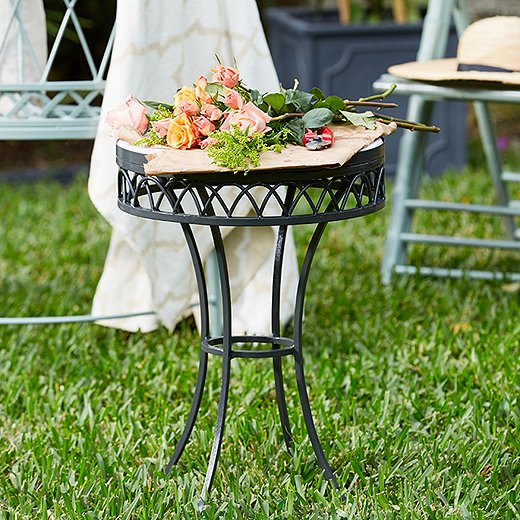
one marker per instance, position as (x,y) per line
(23,43)
(160,46)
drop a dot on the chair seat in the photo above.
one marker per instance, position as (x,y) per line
(51,110)
(435,92)
(45,128)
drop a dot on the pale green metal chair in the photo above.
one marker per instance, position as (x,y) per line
(409,172)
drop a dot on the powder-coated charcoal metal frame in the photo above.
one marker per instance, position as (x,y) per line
(262,198)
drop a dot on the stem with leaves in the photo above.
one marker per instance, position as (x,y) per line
(373,102)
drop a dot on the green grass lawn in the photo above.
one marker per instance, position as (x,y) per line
(414,387)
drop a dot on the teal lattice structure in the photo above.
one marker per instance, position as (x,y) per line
(47,109)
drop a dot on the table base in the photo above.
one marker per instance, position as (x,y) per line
(223,347)
(269,198)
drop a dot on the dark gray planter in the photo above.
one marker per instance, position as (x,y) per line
(346,59)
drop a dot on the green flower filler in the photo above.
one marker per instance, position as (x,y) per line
(239,151)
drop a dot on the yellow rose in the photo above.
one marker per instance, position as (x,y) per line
(182,134)
(184,94)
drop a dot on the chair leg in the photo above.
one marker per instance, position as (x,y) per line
(494,162)
(409,171)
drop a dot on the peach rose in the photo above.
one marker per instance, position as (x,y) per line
(190,108)
(161,127)
(227,76)
(250,116)
(206,143)
(200,90)
(233,99)
(131,112)
(204,126)
(212,112)
(182,134)
(184,94)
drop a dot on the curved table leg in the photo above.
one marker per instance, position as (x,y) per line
(275,320)
(194,410)
(226,363)
(298,356)
(203,360)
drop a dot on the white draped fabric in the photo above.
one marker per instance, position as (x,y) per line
(23,44)
(160,46)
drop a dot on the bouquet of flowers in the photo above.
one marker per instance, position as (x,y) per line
(234,123)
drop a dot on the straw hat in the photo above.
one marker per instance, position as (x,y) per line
(488,51)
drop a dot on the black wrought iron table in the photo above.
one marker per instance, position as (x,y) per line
(261,198)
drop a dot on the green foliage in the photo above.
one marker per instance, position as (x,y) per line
(257,98)
(215,90)
(377,11)
(365,119)
(317,93)
(317,117)
(298,100)
(276,101)
(299,110)
(296,128)
(151,139)
(160,109)
(238,151)
(333,103)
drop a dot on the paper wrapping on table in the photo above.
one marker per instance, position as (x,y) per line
(348,140)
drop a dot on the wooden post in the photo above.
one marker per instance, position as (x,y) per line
(399,11)
(344,11)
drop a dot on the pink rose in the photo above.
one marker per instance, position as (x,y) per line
(200,90)
(161,127)
(212,112)
(250,116)
(206,143)
(204,126)
(190,108)
(233,99)
(227,76)
(131,112)
(201,81)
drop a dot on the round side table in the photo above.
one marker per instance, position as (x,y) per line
(279,198)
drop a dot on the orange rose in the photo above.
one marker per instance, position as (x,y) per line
(184,94)
(182,134)
(200,90)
